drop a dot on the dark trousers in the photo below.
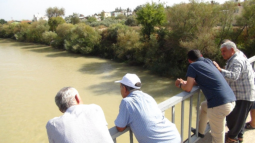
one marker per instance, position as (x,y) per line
(237,118)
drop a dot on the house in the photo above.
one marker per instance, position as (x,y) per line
(38,17)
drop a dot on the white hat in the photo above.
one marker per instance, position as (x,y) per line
(130,80)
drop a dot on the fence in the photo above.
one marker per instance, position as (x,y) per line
(171,103)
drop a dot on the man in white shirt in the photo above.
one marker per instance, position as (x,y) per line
(80,123)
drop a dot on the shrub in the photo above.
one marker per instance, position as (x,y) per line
(82,39)
(35,31)
(63,31)
(48,37)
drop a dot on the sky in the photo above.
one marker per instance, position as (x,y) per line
(25,9)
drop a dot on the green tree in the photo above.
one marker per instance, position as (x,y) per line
(54,12)
(120,16)
(151,15)
(54,22)
(75,19)
(92,19)
(2,21)
(131,21)
(102,15)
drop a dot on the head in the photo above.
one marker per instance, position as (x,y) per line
(67,97)
(228,49)
(129,83)
(193,55)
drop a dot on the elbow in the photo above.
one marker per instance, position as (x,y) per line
(120,129)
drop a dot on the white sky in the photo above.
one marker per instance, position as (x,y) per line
(25,9)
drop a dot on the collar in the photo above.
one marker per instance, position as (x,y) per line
(231,58)
(200,59)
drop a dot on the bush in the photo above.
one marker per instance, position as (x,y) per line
(36,29)
(63,31)
(83,39)
(48,37)
(128,46)
(131,21)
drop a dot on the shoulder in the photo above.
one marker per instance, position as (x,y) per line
(51,122)
(92,107)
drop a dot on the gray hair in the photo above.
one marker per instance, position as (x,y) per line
(130,89)
(229,45)
(65,98)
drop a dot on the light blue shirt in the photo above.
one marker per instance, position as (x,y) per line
(140,111)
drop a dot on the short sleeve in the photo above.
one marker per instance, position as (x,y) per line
(123,117)
(191,72)
(49,129)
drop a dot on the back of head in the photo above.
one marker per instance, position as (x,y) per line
(229,45)
(193,55)
(65,98)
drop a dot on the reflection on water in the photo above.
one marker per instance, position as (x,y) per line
(31,75)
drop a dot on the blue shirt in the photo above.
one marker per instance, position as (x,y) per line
(140,111)
(211,82)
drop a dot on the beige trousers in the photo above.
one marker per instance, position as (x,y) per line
(217,118)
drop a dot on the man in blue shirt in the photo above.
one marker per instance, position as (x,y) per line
(140,112)
(220,99)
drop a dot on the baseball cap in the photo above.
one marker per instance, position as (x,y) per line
(130,80)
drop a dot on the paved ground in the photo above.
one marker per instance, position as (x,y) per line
(249,136)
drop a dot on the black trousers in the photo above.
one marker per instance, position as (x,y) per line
(237,118)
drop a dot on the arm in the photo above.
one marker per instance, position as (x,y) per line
(185,85)
(122,119)
(232,73)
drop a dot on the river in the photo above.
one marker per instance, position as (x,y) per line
(32,74)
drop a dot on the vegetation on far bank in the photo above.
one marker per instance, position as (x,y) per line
(161,41)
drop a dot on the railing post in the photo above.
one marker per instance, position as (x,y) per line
(114,140)
(182,120)
(198,110)
(190,117)
(131,135)
(173,114)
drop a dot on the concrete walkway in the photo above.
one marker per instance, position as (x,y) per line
(249,135)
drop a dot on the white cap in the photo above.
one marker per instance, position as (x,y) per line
(130,80)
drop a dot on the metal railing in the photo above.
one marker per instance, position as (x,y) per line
(171,103)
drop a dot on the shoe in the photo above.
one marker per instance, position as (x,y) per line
(229,140)
(248,126)
(193,130)
(240,140)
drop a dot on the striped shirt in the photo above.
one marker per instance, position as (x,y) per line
(140,111)
(240,77)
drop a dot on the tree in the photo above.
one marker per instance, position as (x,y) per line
(151,15)
(54,22)
(2,21)
(92,19)
(120,16)
(102,15)
(54,12)
(75,18)
(138,8)
(131,21)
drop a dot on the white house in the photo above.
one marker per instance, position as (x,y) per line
(38,17)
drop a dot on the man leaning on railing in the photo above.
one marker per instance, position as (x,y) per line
(140,112)
(220,99)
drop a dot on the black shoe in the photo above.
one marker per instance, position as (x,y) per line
(193,130)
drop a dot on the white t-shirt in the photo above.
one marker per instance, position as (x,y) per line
(79,124)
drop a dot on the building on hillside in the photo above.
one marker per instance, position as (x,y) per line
(107,14)
(38,17)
